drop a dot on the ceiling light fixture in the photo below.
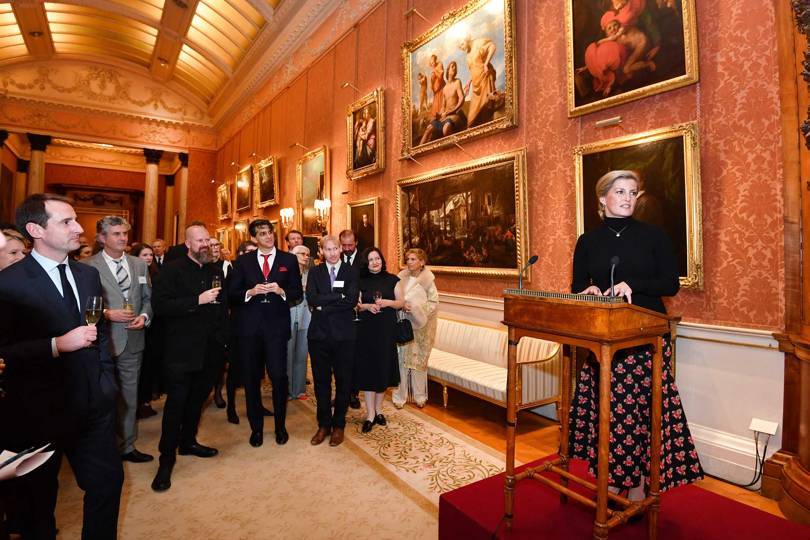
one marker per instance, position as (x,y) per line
(162,61)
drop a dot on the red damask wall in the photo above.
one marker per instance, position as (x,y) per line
(736,105)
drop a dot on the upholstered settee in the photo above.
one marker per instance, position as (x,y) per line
(471,358)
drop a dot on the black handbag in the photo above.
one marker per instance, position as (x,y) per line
(404,331)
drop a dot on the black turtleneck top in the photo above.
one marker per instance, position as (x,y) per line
(646,261)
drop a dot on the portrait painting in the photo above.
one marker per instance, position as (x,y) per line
(312,174)
(244,183)
(460,77)
(266,185)
(365,127)
(470,219)
(667,162)
(622,50)
(363,218)
(223,234)
(224,201)
(240,232)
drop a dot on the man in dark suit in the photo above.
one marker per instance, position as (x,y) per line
(332,294)
(159,250)
(60,381)
(261,287)
(351,256)
(195,318)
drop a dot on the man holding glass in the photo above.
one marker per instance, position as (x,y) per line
(261,287)
(127,291)
(59,378)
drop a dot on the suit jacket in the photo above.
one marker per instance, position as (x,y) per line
(273,317)
(140,293)
(48,398)
(189,326)
(332,310)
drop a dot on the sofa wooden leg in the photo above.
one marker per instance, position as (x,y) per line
(444,396)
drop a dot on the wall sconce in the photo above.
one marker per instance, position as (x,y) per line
(287,215)
(322,207)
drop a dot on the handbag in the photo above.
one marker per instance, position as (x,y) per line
(404,331)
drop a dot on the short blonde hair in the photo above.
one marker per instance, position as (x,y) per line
(420,254)
(11,234)
(604,184)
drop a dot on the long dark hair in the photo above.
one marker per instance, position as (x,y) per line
(364,271)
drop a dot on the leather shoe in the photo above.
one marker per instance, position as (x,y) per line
(163,478)
(219,401)
(256,439)
(198,450)
(233,418)
(319,436)
(282,437)
(354,402)
(144,410)
(380,420)
(266,411)
(136,457)
(367,425)
(337,436)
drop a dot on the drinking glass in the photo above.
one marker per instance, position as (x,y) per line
(216,282)
(265,300)
(377,296)
(128,306)
(93,309)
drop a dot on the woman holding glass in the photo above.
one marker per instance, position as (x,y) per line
(376,368)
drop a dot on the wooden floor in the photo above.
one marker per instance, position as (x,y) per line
(538,437)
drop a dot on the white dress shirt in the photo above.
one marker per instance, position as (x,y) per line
(114,266)
(260,261)
(51,268)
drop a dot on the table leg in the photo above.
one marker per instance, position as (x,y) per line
(511,422)
(655,441)
(600,530)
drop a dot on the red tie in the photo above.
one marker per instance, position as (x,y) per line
(266,266)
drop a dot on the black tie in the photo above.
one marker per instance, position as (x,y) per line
(68,295)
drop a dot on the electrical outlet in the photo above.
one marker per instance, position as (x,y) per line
(763,426)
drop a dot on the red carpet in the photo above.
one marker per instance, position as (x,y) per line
(687,513)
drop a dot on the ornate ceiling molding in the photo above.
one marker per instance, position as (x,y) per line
(79,154)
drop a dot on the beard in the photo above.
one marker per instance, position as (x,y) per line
(202,256)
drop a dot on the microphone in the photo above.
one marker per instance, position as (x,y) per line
(614,262)
(531,261)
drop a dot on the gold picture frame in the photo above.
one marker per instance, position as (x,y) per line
(365,131)
(669,59)
(667,161)
(223,234)
(265,184)
(224,201)
(314,182)
(243,185)
(471,219)
(240,232)
(485,28)
(363,217)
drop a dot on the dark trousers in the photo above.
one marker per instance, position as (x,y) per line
(30,500)
(257,353)
(185,395)
(332,358)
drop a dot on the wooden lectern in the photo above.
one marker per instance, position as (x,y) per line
(603,325)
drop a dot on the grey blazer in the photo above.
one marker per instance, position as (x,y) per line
(140,293)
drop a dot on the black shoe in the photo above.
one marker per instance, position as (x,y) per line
(367,425)
(198,450)
(163,478)
(256,439)
(218,401)
(136,457)
(380,420)
(354,402)
(282,437)
(266,411)
(144,410)
(233,418)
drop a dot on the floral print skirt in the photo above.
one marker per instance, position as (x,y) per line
(631,402)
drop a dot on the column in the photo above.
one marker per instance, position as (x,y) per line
(168,214)
(20,182)
(36,171)
(182,187)
(150,195)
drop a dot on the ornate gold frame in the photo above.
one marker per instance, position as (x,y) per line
(327,184)
(691,163)
(690,57)
(377,97)
(518,159)
(509,119)
(224,188)
(240,232)
(363,202)
(223,234)
(249,170)
(263,164)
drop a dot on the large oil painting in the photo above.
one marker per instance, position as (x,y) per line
(244,183)
(365,127)
(621,50)
(363,218)
(224,201)
(313,184)
(470,219)
(667,162)
(266,174)
(460,77)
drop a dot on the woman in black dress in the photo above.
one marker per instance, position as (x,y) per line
(646,271)
(377,367)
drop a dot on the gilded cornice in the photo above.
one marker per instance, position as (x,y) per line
(82,155)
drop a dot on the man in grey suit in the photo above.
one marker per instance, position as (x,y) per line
(127,292)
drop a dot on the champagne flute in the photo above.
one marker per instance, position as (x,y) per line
(356,311)
(93,309)
(265,300)
(215,283)
(128,306)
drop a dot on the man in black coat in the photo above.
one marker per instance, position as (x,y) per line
(195,317)
(59,378)
(332,293)
(261,287)
(351,255)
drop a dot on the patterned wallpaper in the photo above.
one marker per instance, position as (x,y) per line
(736,104)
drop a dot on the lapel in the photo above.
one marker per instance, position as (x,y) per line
(110,283)
(47,291)
(82,285)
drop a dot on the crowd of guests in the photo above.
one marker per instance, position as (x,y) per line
(186,321)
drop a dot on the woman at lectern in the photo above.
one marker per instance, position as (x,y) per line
(644,266)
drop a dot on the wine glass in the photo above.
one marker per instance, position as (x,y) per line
(357,311)
(127,305)
(265,300)
(93,309)
(377,296)
(215,283)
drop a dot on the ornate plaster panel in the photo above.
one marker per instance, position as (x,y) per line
(106,158)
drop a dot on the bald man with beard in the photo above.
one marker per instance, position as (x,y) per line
(195,316)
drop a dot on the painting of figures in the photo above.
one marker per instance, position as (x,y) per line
(365,126)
